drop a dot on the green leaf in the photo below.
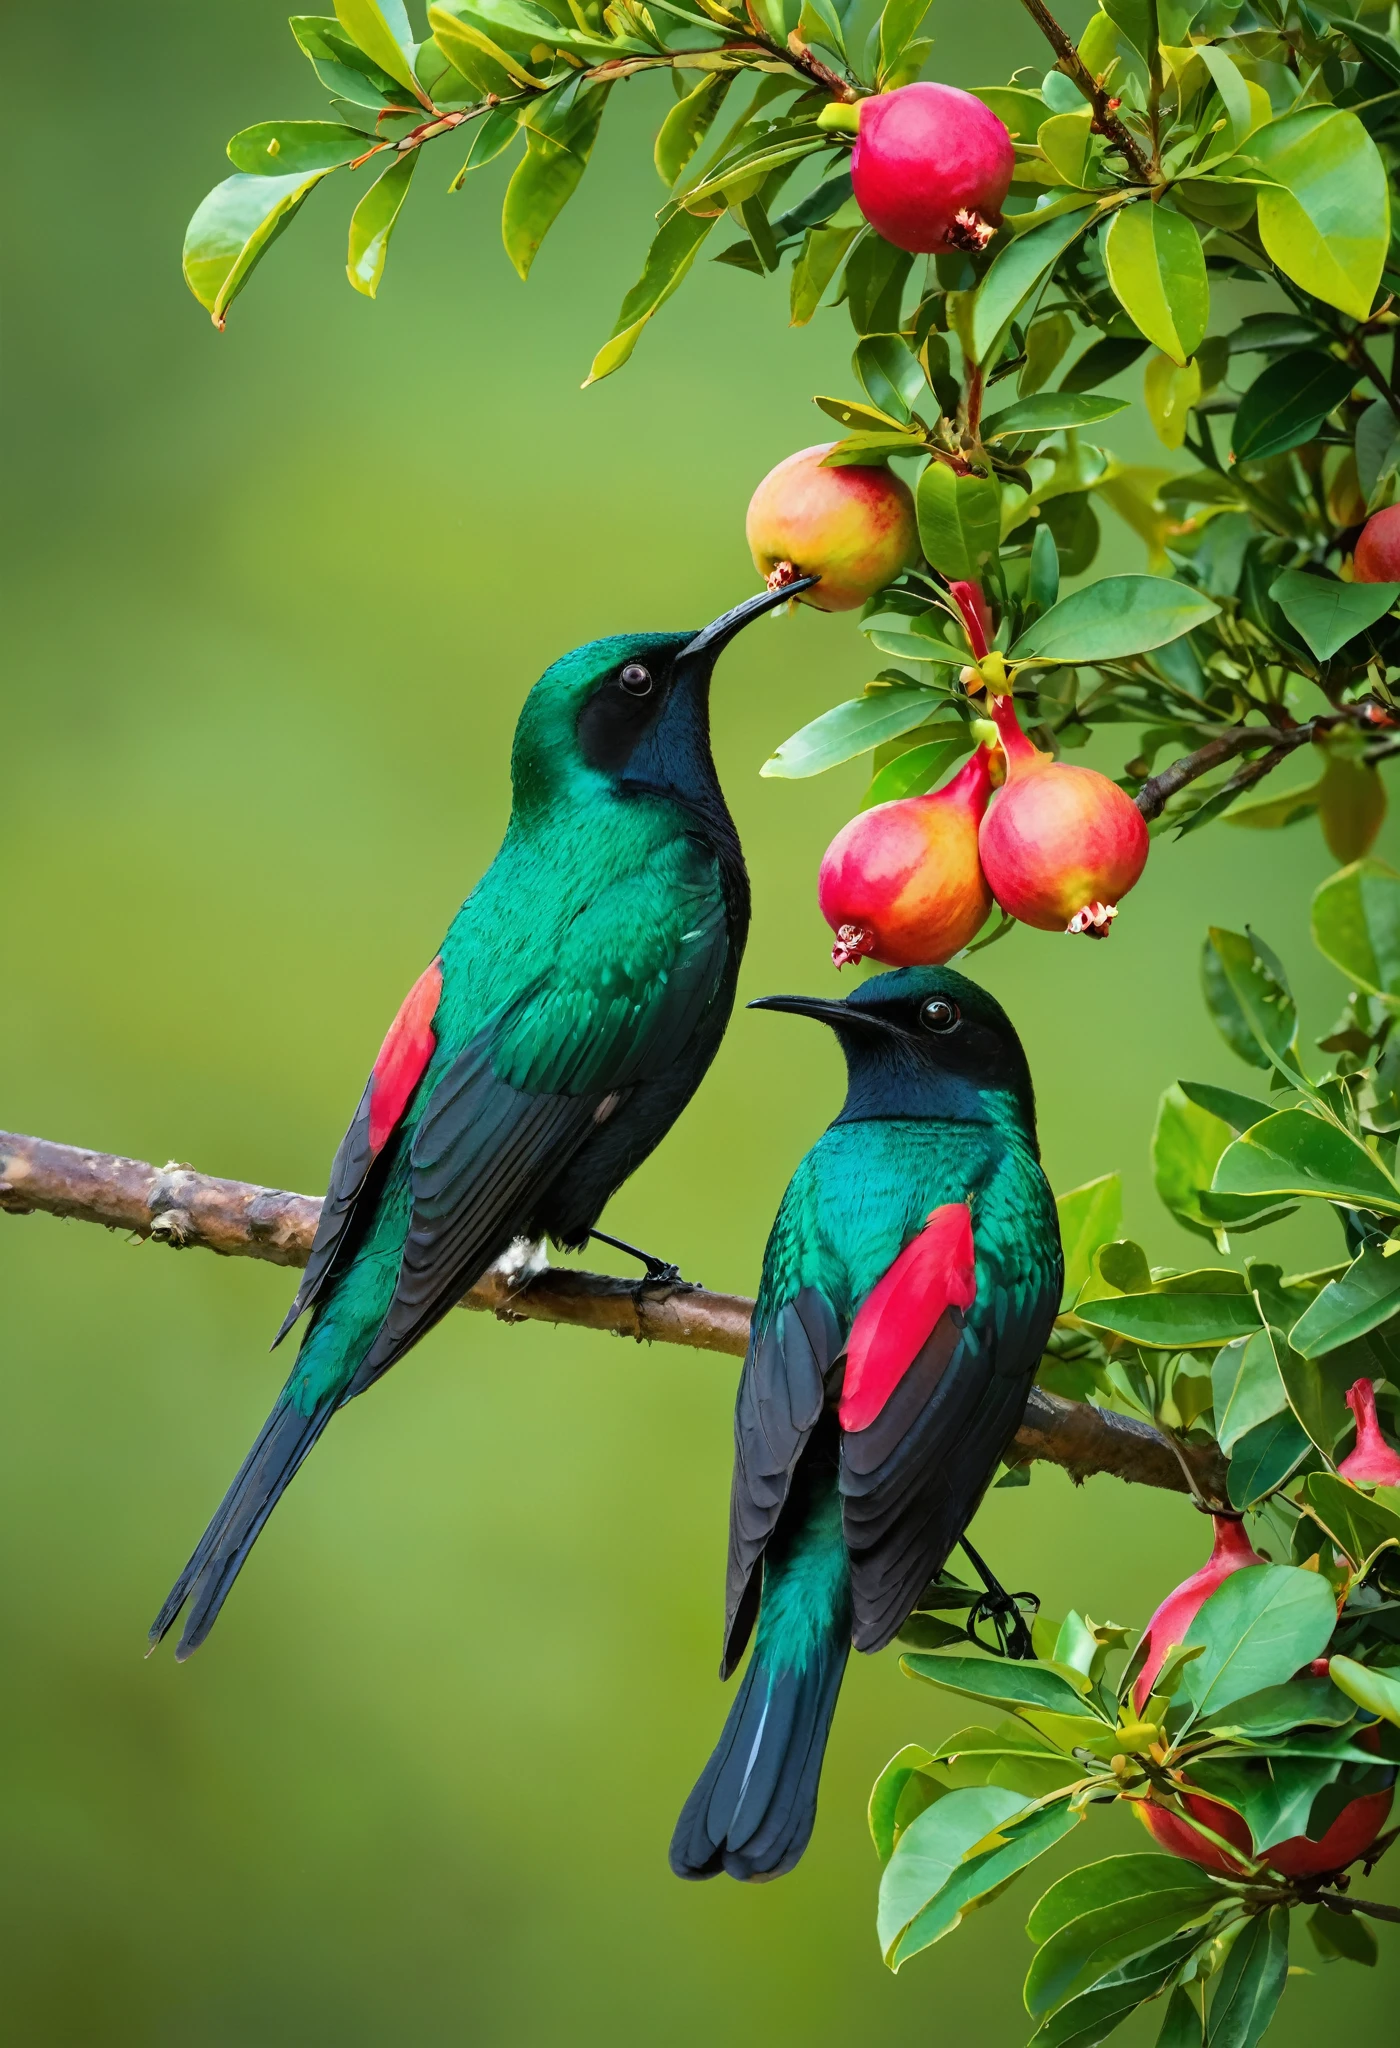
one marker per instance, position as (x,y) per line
(1046,412)
(1376,1691)
(289,149)
(1254,1394)
(1265,1457)
(1116,616)
(1008,1850)
(1186,1143)
(1181,2024)
(373,221)
(363,21)
(232,231)
(1367,1295)
(1248,997)
(1240,1112)
(1090,1217)
(1287,403)
(1295,1152)
(1105,359)
(465,42)
(341,66)
(1093,2015)
(1326,222)
(1356,923)
(889,370)
(688,123)
(1257,1629)
(1229,83)
(1280,1709)
(1358,1524)
(1327,612)
(1158,273)
(1251,1983)
(1271,813)
(915,771)
(959,521)
(676,245)
(850,729)
(932,1848)
(820,259)
(1017,271)
(558,144)
(1173,1322)
(1274,1798)
(1066,140)
(495,131)
(1151,1897)
(899,24)
(1004,1682)
(888,1791)
(1343,1936)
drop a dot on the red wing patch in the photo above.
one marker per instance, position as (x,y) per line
(937,1271)
(404,1055)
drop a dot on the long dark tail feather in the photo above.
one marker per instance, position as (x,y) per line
(282,1443)
(754,1808)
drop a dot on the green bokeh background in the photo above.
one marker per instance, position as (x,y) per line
(274,600)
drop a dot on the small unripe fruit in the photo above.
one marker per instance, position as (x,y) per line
(1373,1462)
(931,167)
(1061,844)
(902,883)
(852,528)
(1377,557)
(1351,1833)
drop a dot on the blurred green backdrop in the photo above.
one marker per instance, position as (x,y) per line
(274,601)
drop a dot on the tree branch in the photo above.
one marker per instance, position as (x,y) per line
(1105,115)
(1153,797)
(176,1206)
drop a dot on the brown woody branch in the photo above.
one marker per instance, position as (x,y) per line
(1155,793)
(176,1206)
(1105,116)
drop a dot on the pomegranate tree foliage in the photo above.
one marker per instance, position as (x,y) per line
(1188,164)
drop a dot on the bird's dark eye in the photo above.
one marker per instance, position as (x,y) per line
(938,1014)
(636,680)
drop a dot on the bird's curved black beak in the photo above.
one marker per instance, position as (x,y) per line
(710,642)
(826,1009)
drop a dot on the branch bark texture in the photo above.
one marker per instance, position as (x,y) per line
(176,1206)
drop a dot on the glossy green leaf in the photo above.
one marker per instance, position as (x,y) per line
(1263,1624)
(1250,1985)
(495,131)
(464,41)
(1376,1691)
(373,222)
(915,771)
(932,1848)
(853,728)
(365,23)
(1326,219)
(233,230)
(341,66)
(1173,1322)
(1019,269)
(1014,1844)
(1298,1703)
(1088,2019)
(1273,1798)
(676,245)
(1248,997)
(1254,1394)
(289,149)
(1046,412)
(1158,273)
(888,1792)
(1229,83)
(1020,111)
(1327,612)
(822,255)
(1181,2023)
(1287,403)
(1367,1295)
(558,144)
(1272,813)
(1104,359)
(889,372)
(1001,1681)
(1265,1457)
(1116,616)
(1186,1143)
(1295,1152)
(1152,1897)
(688,123)
(1240,1112)
(959,521)
(1356,923)
(1338,1936)
(1357,1522)
(1067,142)
(1090,1217)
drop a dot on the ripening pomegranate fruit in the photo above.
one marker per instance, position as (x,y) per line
(853,528)
(931,167)
(1060,844)
(902,883)
(1355,1827)
(1377,557)
(1373,1462)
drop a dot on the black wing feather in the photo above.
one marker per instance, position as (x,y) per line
(350,1171)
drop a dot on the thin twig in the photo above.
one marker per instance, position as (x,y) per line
(1105,116)
(1152,798)
(176,1206)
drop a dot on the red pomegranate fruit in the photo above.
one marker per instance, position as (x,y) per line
(902,883)
(1377,557)
(1373,1462)
(931,167)
(1060,845)
(852,528)
(1354,1829)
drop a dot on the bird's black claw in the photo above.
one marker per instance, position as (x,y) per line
(1004,1614)
(658,1273)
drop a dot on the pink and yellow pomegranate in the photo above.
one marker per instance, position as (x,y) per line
(1060,845)
(931,167)
(852,528)
(902,883)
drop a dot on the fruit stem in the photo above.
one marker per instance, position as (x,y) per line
(1020,752)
